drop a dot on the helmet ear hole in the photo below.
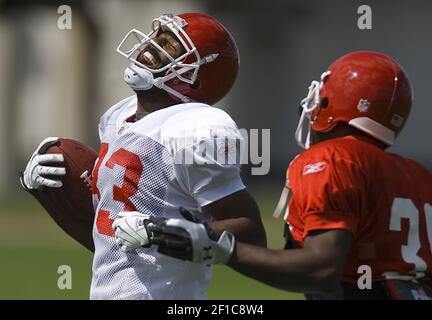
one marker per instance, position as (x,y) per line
(324,103)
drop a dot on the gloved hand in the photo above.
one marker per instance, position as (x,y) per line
(131,231)
(34,176)
(189,239)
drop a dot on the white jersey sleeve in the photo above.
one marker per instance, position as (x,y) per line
(206,147)
(115,113)
(207,178)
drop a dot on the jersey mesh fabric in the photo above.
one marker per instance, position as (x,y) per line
(135,152)
(143,274)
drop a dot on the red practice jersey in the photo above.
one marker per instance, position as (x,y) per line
(384,200)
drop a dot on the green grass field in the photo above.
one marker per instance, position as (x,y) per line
(32,247)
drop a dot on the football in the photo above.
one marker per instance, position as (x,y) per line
(71,205)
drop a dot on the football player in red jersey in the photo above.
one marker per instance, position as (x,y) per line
(353,206)
(163,148)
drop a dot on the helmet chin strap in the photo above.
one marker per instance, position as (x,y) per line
(138,78)
(308,105)
(141,79)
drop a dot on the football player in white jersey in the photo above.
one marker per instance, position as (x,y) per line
(161,149)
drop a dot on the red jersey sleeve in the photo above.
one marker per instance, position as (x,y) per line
(328,193)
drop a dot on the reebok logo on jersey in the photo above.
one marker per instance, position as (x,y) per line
(314,167)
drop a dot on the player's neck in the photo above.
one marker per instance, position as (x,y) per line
(342,130)
(149,101)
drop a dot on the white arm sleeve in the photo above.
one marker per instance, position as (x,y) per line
(210,169)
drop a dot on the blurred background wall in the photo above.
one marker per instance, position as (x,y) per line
(58,82)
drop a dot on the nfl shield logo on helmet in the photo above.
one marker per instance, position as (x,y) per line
(397,120)
(363,105)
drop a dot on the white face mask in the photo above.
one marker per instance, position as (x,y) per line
(308,105)
(141,77)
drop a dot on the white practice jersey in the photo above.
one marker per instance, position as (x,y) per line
(144,166)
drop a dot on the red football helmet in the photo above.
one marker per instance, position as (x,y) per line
(368,90)
(205,72)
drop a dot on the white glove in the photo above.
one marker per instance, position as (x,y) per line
(130,229)
(33,176)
